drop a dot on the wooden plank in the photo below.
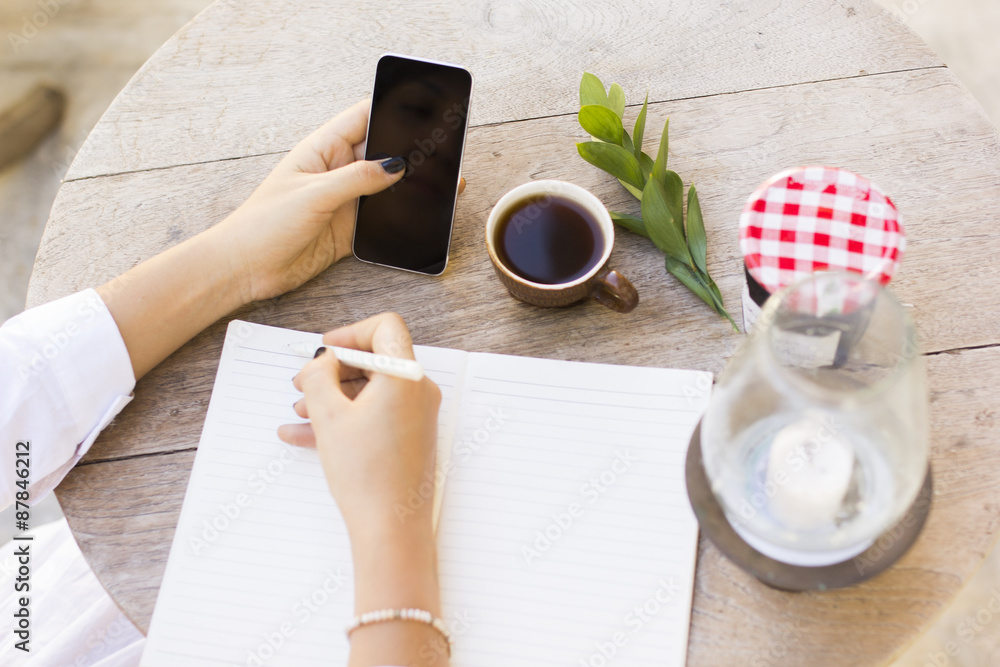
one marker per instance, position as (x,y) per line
(727,145)
(131,217)
(123,514)
(202,98)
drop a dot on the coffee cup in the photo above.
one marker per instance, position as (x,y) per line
(550,241)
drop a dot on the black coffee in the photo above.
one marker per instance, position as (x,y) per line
(549,240)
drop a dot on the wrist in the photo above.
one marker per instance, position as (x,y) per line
(397,529)
(232,278)
(395,567)
(165,301)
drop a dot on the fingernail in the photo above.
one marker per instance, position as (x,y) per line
(319,351)
(393,165)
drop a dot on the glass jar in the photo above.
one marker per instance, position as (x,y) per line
(816,437)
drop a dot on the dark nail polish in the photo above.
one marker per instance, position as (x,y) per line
(393,165)
(319,351)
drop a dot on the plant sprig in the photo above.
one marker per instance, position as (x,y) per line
(659,190)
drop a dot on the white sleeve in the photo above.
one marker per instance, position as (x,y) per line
(65,374)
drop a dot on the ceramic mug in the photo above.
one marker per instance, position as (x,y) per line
(603,284)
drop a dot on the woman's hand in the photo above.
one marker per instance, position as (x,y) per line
(301,218)
(376,445)
(297,223)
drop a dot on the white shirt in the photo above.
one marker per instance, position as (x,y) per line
(73,621)
(65,374)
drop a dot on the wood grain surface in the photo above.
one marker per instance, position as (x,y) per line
(253,76)
(750,90)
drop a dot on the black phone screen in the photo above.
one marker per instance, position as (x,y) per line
(420,113)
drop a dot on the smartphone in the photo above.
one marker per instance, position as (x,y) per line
(420,112)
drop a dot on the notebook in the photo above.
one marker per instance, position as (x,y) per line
(565,536)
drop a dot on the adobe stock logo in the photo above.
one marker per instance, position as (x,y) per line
(664,597)
(591,491)
(967,630)
(464,450)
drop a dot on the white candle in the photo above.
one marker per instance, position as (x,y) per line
(808,474)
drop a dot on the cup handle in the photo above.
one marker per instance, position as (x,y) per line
(614,290)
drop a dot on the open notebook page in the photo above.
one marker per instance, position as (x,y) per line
(566,537)
(260,567)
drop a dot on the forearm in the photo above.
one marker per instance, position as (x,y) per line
(396,568)
(164,302)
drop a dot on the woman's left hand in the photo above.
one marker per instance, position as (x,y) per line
(294,225)
(301,218)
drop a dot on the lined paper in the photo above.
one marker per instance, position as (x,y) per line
(566,536)
(260,567)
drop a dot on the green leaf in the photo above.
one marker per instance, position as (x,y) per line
(646,164)
(689,278)
(658,219)
(661,155)
(729,317)
(673,188)
(592,91)
(639,130)
(631,223)
(627,144)
(659,190)
(601,123)
(616,100)
(717,297)
(634,191)
(705,278)
(697,241)
(613,159)
(672,184)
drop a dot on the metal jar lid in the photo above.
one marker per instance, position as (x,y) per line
(819,219)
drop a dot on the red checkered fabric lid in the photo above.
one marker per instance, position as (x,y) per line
(819,219)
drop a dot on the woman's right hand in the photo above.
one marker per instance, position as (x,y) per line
(376,445)
(377,448)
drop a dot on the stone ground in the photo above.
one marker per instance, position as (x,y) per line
(91,48)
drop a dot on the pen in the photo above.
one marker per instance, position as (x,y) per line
(380,363)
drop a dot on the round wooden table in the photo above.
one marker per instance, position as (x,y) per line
(751,89)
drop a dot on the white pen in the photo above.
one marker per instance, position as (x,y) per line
(380,363)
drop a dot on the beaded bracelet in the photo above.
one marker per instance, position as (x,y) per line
(418,615)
